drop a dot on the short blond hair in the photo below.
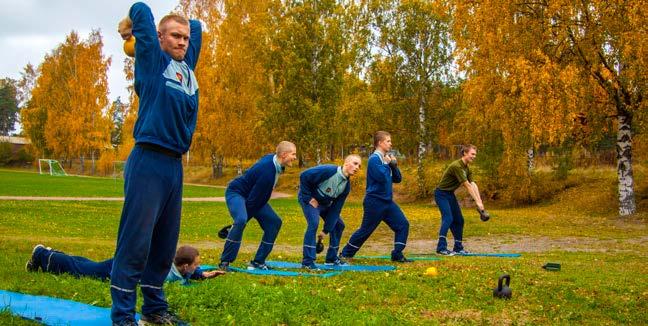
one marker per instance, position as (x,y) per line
(172,17)
(351,156)
(285,146)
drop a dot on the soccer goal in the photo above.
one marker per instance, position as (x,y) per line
(51,167)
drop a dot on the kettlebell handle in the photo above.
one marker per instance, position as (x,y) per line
(501,278)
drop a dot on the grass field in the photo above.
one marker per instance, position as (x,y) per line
(16,183)
(604,276)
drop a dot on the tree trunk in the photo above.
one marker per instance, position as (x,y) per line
(319,157)
(93,169)
(530,160)
(332,152)
(82,159)
(420,170)
(624,166)
(217,166)
(239,167)
(302,162)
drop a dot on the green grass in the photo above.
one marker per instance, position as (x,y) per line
(604,276)
(13,183)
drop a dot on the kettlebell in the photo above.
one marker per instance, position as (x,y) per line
(224,232)
(503,291)
(319,247)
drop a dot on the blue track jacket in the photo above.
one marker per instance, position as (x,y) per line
(256,184)
(167,88)
(380,177)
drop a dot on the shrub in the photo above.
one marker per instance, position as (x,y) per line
(5,153)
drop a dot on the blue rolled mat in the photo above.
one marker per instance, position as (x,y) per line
(353,268)
(389,257)
(274,272)
(54,311)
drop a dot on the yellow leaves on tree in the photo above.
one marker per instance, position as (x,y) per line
(70,96)
(552,71)
(230,75)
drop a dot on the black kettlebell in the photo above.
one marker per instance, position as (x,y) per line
(319,247)
(224,232)
(503,291)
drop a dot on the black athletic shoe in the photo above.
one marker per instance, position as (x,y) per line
(33,264)
(125,323)
(402,259)
(162,318)
(445,252)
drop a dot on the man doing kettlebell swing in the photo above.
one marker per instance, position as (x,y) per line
(456,174)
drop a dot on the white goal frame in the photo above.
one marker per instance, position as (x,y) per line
(50,164)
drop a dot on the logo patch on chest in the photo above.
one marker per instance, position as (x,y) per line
(179,76)
(328,189)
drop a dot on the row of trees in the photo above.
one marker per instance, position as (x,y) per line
(509,76)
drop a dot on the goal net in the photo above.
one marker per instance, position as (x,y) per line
(51,167)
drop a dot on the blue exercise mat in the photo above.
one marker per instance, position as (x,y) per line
(274,272)
(54,311)
(489,255)
(389,257)
(353,268)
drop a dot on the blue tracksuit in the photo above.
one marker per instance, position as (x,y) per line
(247,197)
(150,221)
(56,262)
(379,206)
(320,182)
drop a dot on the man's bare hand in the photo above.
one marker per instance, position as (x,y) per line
(125,28)
(313,202)
(212,274)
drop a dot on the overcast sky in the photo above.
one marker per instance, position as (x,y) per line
(32,28)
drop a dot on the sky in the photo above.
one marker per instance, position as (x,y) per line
(30,29)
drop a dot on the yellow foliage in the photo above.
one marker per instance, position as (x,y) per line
(105,163)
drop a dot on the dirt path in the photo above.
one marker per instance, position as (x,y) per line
(193,199)
(512,244)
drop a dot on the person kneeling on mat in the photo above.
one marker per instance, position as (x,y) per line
(322,192)
(186,265)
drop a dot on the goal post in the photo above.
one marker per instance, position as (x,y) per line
(51,167)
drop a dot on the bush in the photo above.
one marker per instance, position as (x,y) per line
(23,157)
(5,153)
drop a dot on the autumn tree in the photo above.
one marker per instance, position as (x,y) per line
(411,71)
(117,113)
(8,106)
(130,112)
(536,67)
(306,70)
(70,97)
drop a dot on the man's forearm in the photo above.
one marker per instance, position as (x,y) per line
(473,193)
